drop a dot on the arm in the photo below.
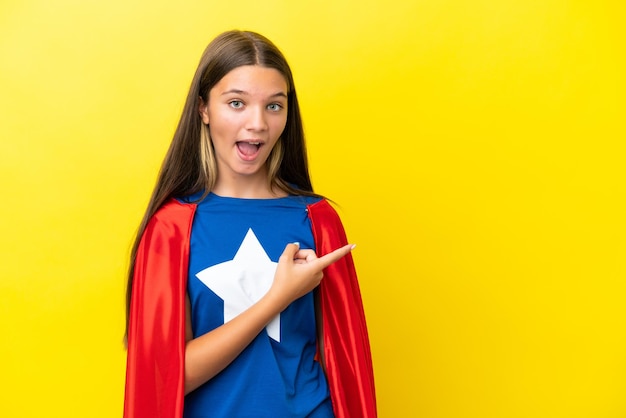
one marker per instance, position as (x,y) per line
(298,272)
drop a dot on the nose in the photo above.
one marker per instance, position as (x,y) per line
(256,119)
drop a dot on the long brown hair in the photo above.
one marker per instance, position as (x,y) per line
(189,166)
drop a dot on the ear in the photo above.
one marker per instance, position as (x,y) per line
(203,110)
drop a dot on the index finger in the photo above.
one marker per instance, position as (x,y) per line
(333,256)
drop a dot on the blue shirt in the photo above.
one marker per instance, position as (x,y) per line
(235,245)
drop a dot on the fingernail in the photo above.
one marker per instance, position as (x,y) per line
(296,243)
(353,247)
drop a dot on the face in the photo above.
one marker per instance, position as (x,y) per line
(246,113)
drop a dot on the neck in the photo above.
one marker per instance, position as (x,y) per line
(258,188)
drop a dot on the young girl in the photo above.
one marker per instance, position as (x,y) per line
(242,296)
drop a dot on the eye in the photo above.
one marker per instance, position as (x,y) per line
(236,104)
(274,107)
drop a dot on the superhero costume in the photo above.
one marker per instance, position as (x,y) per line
(155,367)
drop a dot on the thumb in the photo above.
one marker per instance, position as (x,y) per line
(290,251)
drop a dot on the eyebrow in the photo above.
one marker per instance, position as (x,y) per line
(236,91)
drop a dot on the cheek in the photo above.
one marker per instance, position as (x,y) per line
(221,125)
(279,126)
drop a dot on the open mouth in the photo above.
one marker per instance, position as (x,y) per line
(248,148)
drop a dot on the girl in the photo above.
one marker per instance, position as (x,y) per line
(228,315)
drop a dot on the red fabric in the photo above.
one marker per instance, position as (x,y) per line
(155,383)
(156,336)
(345,341)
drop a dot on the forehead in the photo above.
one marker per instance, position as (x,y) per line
(252,79)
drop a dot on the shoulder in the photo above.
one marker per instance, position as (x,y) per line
(172,218)
(322,208)
(324,217)
(173,210)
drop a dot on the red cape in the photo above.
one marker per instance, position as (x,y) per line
(156,336)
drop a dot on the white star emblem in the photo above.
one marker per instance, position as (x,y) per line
(242,281)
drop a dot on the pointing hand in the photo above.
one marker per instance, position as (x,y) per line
(300,271)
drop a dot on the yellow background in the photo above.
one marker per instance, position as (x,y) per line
(476,149)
